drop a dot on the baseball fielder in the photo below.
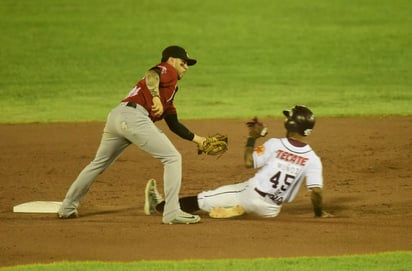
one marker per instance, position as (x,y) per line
(132,122)
(283,165)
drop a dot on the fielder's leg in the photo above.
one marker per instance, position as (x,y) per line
(111,146)
(141,131)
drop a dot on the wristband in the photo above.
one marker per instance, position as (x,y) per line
(250,142)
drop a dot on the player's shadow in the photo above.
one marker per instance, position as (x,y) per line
(92,213)
(338,206)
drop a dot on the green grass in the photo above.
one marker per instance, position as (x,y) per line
(377,262)
(74,61)
(65,61)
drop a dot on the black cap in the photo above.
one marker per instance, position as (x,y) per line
(177,52)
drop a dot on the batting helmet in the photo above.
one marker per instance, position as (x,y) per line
(299,119)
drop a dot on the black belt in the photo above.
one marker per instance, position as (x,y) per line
(270,196)
(131,104)
(263,194)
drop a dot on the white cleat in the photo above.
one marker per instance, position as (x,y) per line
(152,197)
(184,218)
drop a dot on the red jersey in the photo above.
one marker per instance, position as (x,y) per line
(140,94)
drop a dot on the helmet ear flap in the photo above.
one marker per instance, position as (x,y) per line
(291,125)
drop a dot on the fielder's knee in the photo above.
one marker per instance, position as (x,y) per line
(172,158)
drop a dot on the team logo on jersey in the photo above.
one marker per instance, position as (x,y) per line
(163,69)
(259,150)
(291,157)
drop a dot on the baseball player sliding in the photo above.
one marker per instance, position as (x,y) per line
(283,164)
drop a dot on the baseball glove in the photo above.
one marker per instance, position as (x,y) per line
(256,128)
(214,145)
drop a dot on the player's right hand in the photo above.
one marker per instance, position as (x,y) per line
(157,107)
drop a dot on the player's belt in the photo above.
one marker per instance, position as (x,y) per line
(269,196)
(263,194)
(131,104)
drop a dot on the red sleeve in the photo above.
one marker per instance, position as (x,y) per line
(168,88)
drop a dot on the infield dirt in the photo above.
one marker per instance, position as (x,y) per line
(368,187)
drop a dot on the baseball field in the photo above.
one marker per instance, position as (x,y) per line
(65,65)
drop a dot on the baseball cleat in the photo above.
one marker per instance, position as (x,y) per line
(184,218)
(222,212)
(71,214)
(152,197)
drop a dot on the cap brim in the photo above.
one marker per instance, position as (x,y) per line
(191,62)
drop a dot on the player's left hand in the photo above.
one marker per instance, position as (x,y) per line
(256,128)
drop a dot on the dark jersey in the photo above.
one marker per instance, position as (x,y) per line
(140,94)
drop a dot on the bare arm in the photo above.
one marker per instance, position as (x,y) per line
(248,153)
(316,198)
(256,129)
(152,82)
(152,79)
(317,203)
